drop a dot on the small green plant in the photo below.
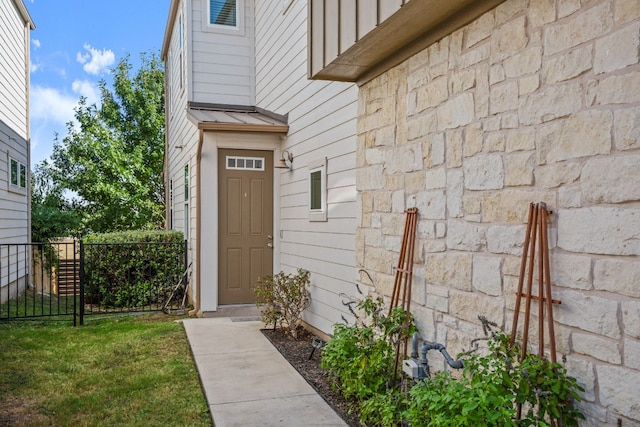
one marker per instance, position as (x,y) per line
(492,388)
(548,392)
(360,359)
(480,397)
(283,297)
(384,409)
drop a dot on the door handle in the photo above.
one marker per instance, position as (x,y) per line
(269,245)
(270,237)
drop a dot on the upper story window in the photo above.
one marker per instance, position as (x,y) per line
(223,13)
(17,175)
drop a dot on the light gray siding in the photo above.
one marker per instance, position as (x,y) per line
(322,124)
(15,25)
(221,61)
(13,60)
(182,135)
(14,40)
(13,200)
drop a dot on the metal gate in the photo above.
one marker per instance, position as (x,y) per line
(71,279)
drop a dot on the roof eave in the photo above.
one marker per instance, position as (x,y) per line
(242,127)
(25,14)
(171,19)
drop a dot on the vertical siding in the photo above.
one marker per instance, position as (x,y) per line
(322,121)
(221,60)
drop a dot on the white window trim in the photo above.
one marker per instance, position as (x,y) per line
(17,188)
(245,158)
(318,215)
(186,221)
(213,28)
(186,173)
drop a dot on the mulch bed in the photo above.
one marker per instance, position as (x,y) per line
(297,353)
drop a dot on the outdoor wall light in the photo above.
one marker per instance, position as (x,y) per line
(282,163)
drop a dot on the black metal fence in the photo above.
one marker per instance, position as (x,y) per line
(74,279)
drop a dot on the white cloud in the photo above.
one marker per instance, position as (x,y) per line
(54,106)
(87,89)
(51,109)
(51,105)
(34,66)
(36,42)
(96,61)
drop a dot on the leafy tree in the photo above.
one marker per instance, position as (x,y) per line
(112,156)
(52,214)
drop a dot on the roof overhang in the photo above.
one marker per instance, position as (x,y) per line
(212,117)
(415,25)
(168,29)
(24,13)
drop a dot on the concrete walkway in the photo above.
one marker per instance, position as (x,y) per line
(247,382)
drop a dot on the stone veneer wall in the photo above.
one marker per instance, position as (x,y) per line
(537,100)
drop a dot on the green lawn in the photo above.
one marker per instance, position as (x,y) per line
(126,371)
(33,304)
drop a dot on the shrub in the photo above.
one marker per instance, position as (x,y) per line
(133,268)
(283,298)
(489,392)
(360,357)
(481,397)
(491,388)
(384,409)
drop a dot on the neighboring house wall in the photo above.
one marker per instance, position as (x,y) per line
(322,124)
(535,101)
(15,25)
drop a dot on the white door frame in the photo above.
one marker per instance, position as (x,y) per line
(208,233)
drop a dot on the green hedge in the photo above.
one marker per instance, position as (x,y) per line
(136,236)
(132,269)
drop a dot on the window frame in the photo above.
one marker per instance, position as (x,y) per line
(171,204)
(217,28)
(21,176)
(245,160)
(186,182)
(318,214)
(186,221)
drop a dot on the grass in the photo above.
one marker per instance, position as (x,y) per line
(124,371)
(30,303)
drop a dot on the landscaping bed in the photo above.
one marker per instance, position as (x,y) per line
(297,353)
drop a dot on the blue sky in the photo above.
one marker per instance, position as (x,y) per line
(75,44)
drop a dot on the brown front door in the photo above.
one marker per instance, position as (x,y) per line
(245,193)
